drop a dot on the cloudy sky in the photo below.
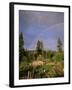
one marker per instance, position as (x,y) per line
(41,25)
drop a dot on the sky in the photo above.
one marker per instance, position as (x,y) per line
(45,26)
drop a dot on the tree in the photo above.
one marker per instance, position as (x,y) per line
(21,41)
(39,47)
(21,48)
(59,45)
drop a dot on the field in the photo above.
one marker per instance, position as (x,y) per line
(46,65)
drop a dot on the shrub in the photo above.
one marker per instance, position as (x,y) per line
(24,67)
(40,72)
(58,57)
(59,71)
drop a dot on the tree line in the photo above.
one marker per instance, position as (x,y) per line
(39,47)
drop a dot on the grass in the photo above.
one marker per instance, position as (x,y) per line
(41,69)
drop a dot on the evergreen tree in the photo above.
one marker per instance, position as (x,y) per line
(59,45)
(39,47)
(21,48)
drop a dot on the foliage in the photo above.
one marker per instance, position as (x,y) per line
(59,70)
(21,41)
(21,49)
(59,56)
(50,54)
(39,47)
(24,68)
(40,63)
(40,72)
(49,71)
(59,45)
